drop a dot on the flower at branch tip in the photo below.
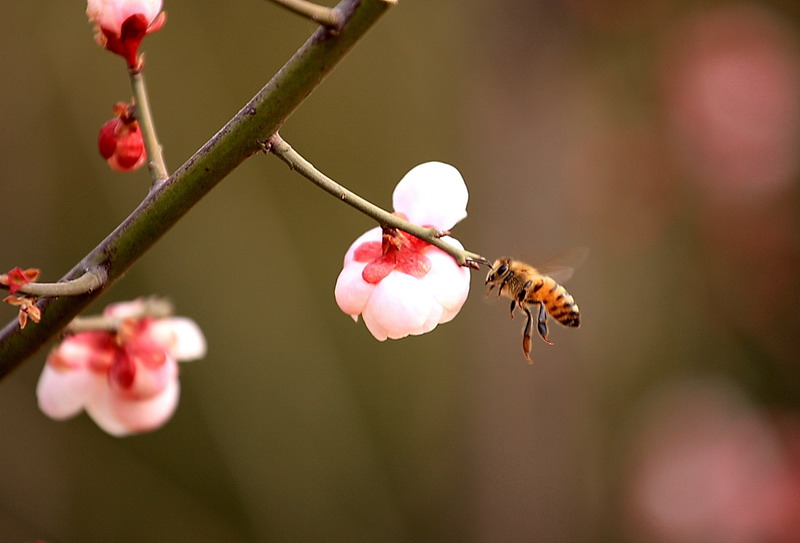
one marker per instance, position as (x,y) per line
(18,278)
(400,284)
(125,379)
(120,25)
(120,140)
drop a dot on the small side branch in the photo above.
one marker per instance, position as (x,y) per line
(278,146)
(325,16)
(25,293)
(88,282)
(155,153)
(157,308)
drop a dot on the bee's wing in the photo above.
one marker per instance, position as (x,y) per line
(562,266)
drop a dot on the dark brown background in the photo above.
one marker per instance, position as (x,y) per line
(663,136)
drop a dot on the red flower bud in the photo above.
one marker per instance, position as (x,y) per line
(120,141)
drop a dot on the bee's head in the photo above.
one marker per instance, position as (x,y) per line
(499,269)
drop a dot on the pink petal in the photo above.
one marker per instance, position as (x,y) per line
(351,291)
(146,415)
(63,394)
(432,194)
(89,350)
(99,409)
(120,416)
(122,310)
(180,336)
(401,305)
(110,14)
(149,379)
(448,281)
(376,329)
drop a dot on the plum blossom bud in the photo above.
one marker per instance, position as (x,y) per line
(120,141)
(125,379)
(399,283)
(120,25)
(17,278)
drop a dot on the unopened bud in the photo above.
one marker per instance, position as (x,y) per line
(120,141)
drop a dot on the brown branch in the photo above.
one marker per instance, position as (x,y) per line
(171,199)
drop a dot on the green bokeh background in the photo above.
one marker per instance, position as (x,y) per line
(298,425)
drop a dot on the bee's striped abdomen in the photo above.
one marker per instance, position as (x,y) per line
(558,302)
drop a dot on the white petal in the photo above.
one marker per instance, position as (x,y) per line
(100,410)
(143,416)
(110,14)
(401,305)
(448,281)
(120,416)
(432,194)
(122,310)
(376,329)
(63,394)
(351,291)
(181,336)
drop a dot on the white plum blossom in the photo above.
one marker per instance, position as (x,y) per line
(126,379)
(120,25)
(400,284)
(111,14)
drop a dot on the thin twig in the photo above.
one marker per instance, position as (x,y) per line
(157,308)
(295,161)
(155,153)
(325,16)
(89,281)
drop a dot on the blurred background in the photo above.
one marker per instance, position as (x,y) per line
(664,136)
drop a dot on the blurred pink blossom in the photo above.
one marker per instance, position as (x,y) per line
(127,379)
(710,468)
(400,284)
(732,81)
(120,25)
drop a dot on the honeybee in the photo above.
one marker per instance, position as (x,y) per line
(528,287)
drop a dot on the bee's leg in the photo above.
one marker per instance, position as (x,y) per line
(542,324)
(523,292)
(505,281)
(526,335)
(520,298)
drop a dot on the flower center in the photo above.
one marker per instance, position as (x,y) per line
(397,251)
